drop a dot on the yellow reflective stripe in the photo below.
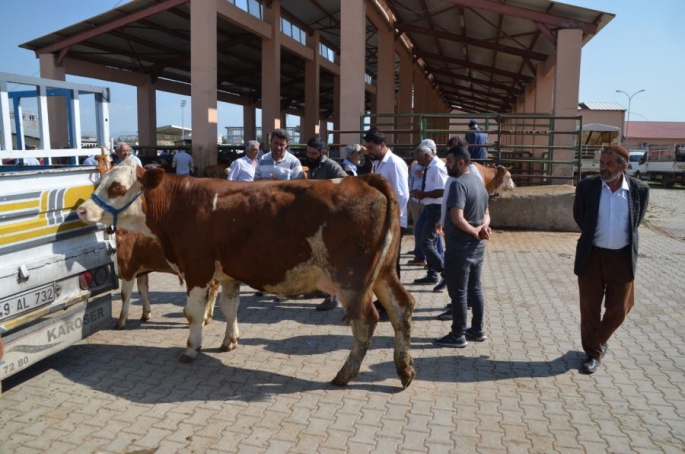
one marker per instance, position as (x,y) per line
(17,206)
(28,232)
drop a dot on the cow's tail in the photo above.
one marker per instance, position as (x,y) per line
(391,228)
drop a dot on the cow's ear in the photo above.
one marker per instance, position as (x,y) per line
(150,178)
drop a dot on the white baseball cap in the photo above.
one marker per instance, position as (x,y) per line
(430,143)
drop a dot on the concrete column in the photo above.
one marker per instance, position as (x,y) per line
(271,72)
(566,88)
(544,88)
(352,61)
(250,122)
(57,105)
(203,78)
(147,114)
(404,96)
(419,94)
(520,109)
(336,111)
(310,119)
(323,131)
(385,82)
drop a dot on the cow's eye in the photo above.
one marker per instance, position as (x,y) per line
(115,190)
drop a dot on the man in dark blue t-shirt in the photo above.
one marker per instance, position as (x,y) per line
(476,140)
(466,227)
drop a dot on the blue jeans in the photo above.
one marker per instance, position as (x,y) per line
(429,239)
(463,267)
(418,228)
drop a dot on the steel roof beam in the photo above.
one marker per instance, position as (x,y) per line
(448,73)
(113,25)
(474,100)
(470,65)
(501,96)
(525,53)
(523,13)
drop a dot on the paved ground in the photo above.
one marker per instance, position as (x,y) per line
(519,391)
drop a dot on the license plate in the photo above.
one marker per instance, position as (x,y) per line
(26,301)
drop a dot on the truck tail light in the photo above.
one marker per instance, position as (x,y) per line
(93,278)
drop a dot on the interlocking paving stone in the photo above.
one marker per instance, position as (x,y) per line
(519,391)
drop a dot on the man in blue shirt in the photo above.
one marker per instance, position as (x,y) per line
(476,141)
(183,163)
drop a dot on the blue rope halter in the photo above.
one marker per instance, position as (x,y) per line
(110,209)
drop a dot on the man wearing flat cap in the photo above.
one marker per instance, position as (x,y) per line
(608,209)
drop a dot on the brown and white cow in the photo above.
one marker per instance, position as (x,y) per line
(495,178)
(137,256)
(282,237)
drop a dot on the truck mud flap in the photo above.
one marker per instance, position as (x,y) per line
(28,346)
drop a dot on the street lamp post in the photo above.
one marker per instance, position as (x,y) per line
(630,98)
(183,129)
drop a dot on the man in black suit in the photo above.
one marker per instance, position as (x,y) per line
(608,209)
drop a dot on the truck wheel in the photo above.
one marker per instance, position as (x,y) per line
(637,175)
(668,181)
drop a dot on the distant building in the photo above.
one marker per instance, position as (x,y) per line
(605,113)
(655,132)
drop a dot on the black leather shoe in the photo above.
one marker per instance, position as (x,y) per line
(427,280)
(590,365)
(605,347)
(441,286)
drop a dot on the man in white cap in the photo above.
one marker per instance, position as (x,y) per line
(430,195)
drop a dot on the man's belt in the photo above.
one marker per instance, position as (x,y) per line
(611,251)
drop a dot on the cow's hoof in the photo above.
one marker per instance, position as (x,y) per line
(185,359)
(407,376)
(119,327)
(145,318)
(227,348)
(339,381)
(208,320)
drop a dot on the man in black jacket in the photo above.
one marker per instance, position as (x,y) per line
(608,209)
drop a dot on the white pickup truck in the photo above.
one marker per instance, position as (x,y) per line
(56,274)
(665,163)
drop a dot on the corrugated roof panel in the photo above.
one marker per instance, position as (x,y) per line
(674,130)
(601,106)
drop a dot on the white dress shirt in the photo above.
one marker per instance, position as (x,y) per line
(242,170)
(436,177)
(395,170)
(612,231)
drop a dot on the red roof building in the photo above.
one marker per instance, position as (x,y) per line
(655,132)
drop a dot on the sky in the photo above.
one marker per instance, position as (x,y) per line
(640,49)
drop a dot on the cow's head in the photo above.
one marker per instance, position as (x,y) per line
(117,199)
(503,180)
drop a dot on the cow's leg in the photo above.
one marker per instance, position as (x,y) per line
(362,330)
(400,305)
(230,296)
(195,313)
(143,287)
(211,301)
(126,290)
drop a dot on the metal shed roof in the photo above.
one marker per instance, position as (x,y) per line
(601,106)
(480,54)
